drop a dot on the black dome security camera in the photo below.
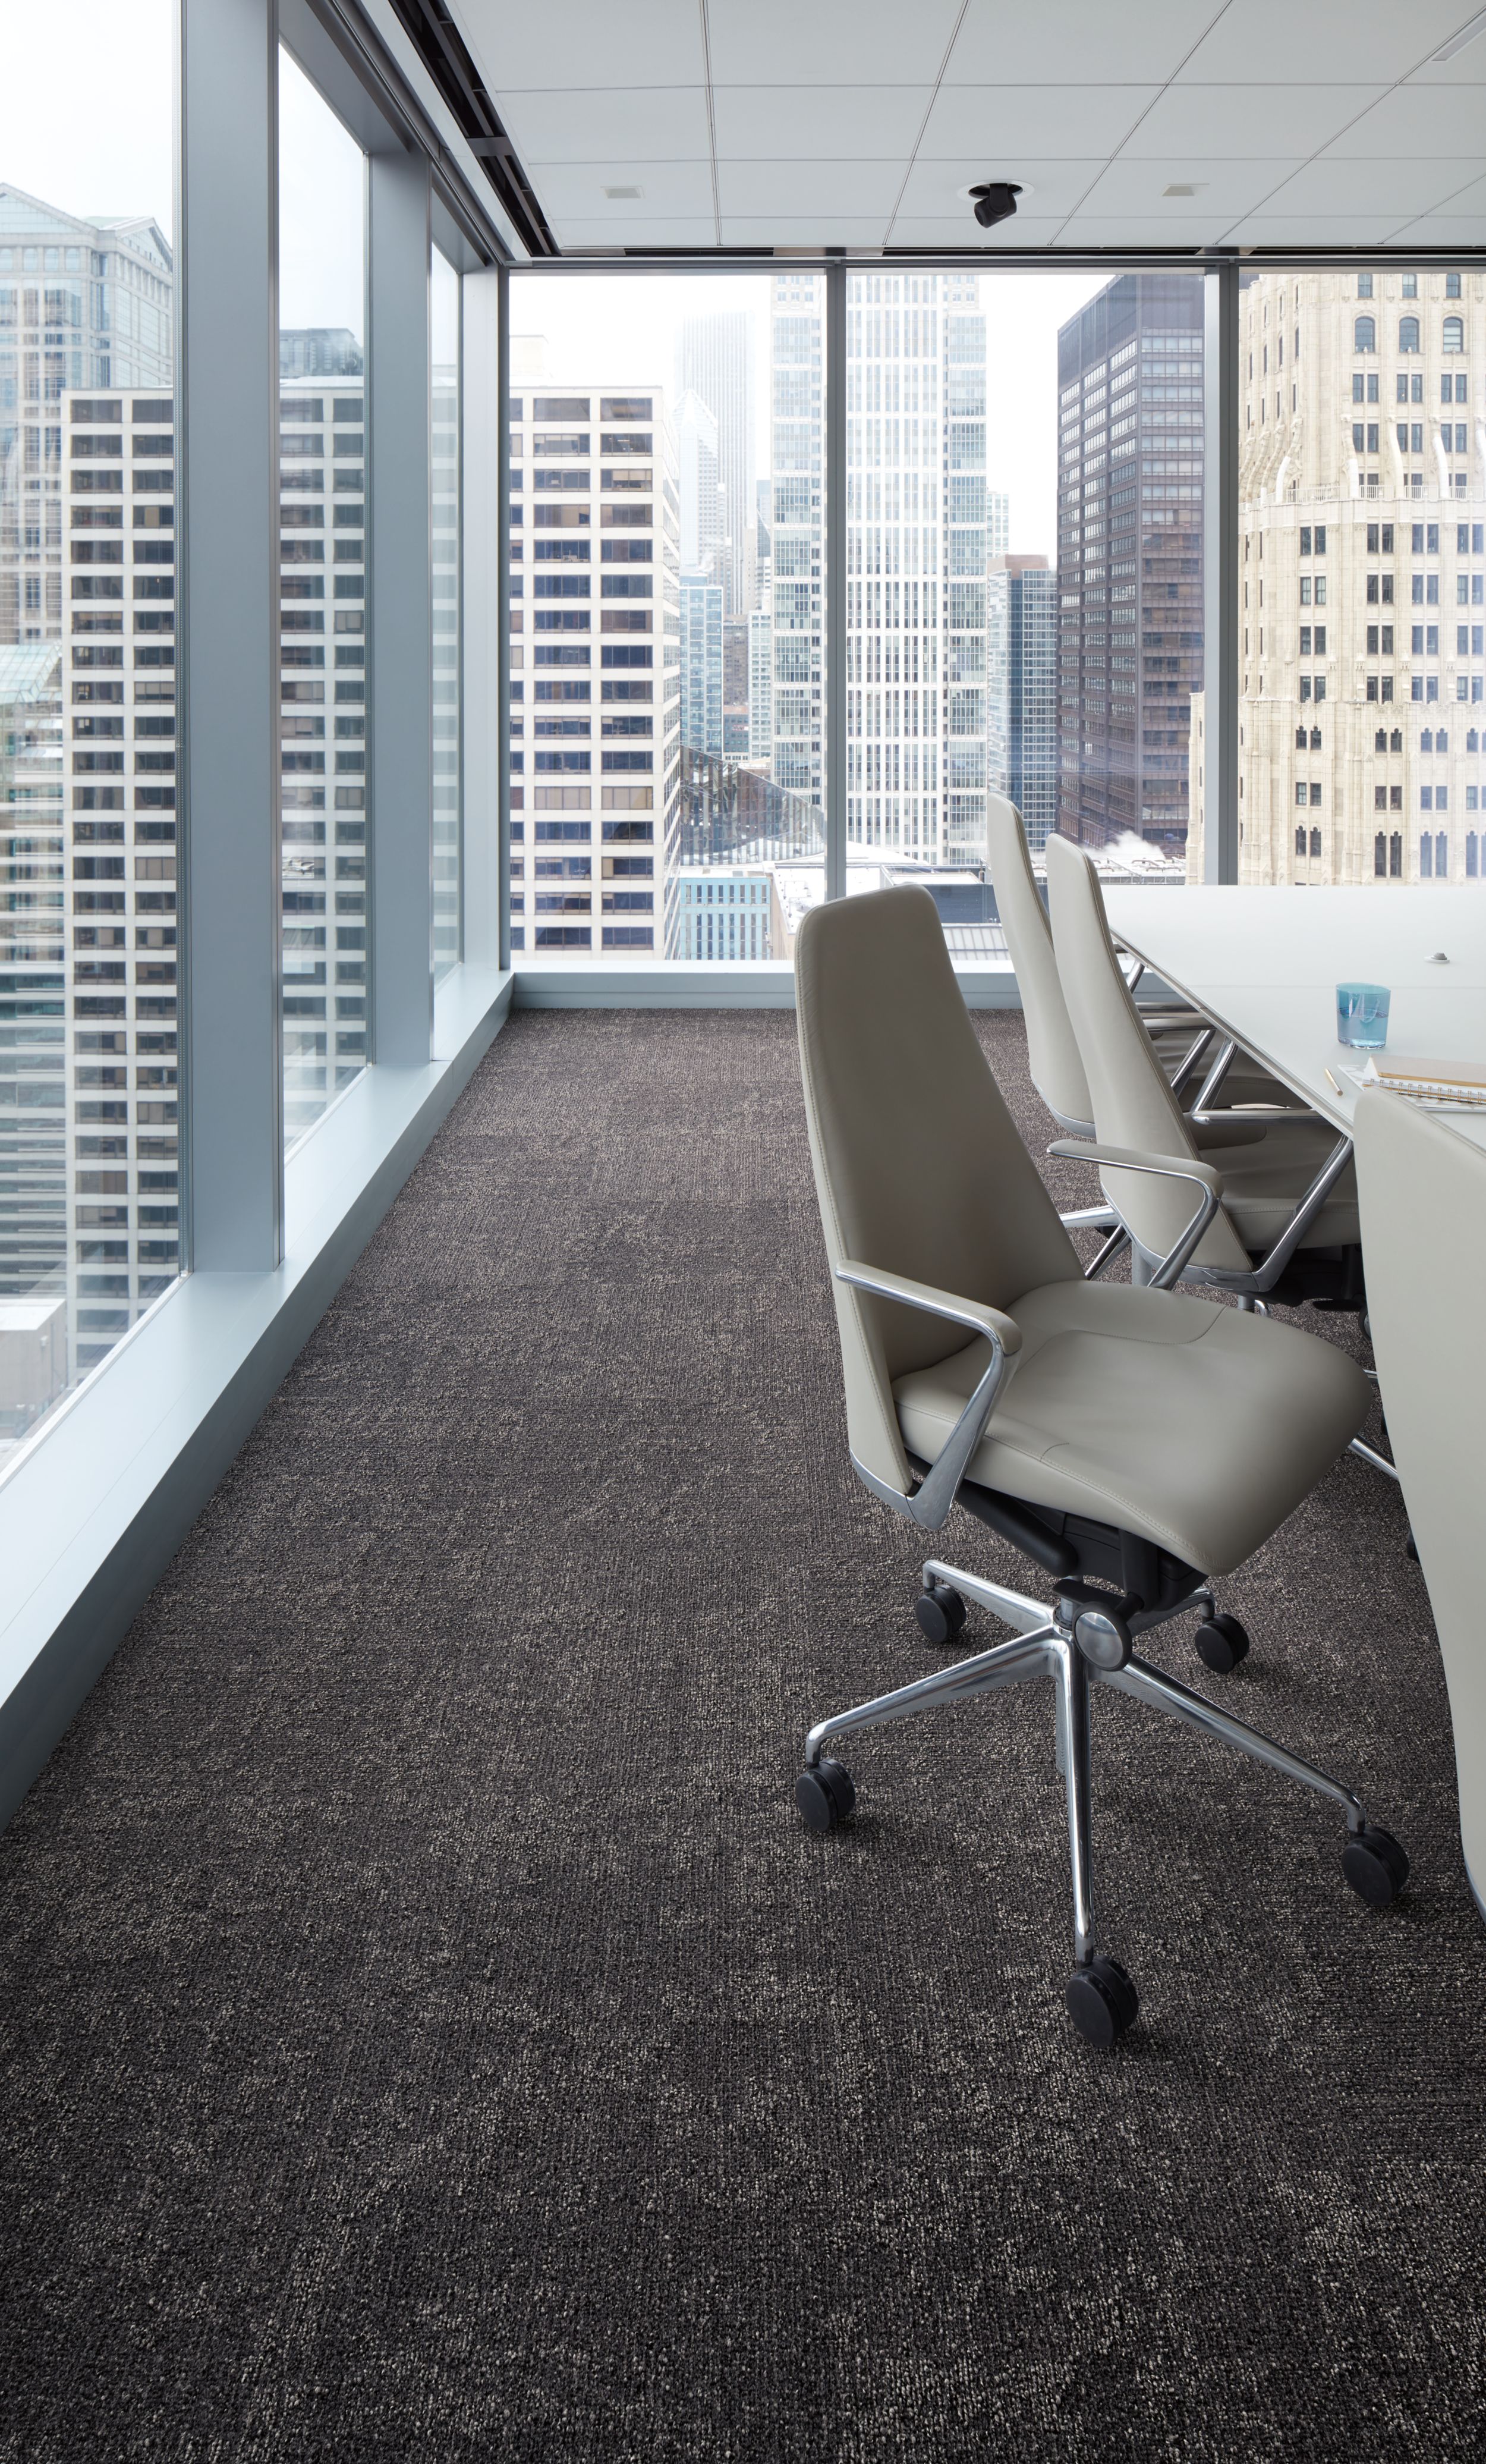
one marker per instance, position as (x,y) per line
(994,200)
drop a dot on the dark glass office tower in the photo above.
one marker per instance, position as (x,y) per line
(1129,557)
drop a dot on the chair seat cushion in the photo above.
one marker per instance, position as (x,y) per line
(1182,1419)
(1263,1185)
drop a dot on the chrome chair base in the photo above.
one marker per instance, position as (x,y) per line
(1078,1646)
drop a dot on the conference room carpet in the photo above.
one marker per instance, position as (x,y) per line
(427,2030)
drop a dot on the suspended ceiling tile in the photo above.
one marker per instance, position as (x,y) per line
(642,124)
(1419,120)
(664,188)
(1295,230)
(1391,189)
(1298,42)
(943,230)
(763,123)
(803,230)
(828,190)
(818,42)
(672,231)
(1057,122)
(1468,198)
(1050,190)
(1236,122)
(1452,229)
(643,43)
(1223,189)
(1006,42)
(1190,229)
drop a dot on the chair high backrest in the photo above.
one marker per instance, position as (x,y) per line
(1051,1046)
(1133,1099)
(919,1167)
(1422,1188)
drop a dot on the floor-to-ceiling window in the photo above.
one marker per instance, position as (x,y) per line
(89,1059)
(445,500)
(1362,576)
(323,530)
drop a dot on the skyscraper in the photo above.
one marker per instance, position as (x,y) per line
(714,358)
(760,686)
(699,489)
(595,722)
(701,664)
(1021,596)
(1129,555)
(920,526)
(1362,579)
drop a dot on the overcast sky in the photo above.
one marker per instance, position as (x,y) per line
(607,330)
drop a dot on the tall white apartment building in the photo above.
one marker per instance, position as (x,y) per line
(760,686)
(921,530)
(714,360)
(595,669)
(322,757)
(119,983)
(1362,576)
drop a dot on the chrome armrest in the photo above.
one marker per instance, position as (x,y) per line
(1202,1175)
(1267,1273)
(929,1504)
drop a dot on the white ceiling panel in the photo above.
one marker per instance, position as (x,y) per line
(1052,190)
(1469,198)
(1005,42)
(1140,231)
(695,230)
(816,42)
(640,125)
(1445,231)
(831,189)
(1313,230)
(1058,121)
(1466,68)
(1305,42)
(802,231)
(646,42)
(1420,120)
(665,188)
(1223,189)
(763,123)
(1390,187)
(1237,123)
(949,231)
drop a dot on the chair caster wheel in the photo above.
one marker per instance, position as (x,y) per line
(941,1612)
(1221,1643)
(824,1794)
(1101,2001)
(1375,1865)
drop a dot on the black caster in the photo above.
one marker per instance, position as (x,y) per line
(1101,2001)
(824,1794)
(1221,1643)
(1375,1865)
(941,1612)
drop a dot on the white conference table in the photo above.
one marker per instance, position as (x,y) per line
(1265,965)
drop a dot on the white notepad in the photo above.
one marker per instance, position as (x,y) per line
(1461,1083)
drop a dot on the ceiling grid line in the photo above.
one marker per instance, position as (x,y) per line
(1076,210)
(929,108)
(1397,87)
(712,119)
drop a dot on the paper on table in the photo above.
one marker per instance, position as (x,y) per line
(1431,1082)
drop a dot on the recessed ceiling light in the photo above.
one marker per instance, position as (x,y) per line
(623,192)
(1185,188)
(1466,35)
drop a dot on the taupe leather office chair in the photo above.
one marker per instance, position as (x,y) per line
(1422,1188)
(1131,1443)
(1286,1227)
(1181,1038)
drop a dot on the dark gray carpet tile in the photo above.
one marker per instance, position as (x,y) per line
(426,2030)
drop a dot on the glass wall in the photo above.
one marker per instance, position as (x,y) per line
(446,430)
(89,1179)
(1363,577)
(654,815)
(322,533)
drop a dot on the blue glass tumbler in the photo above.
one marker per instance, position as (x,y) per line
(1362,1016)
